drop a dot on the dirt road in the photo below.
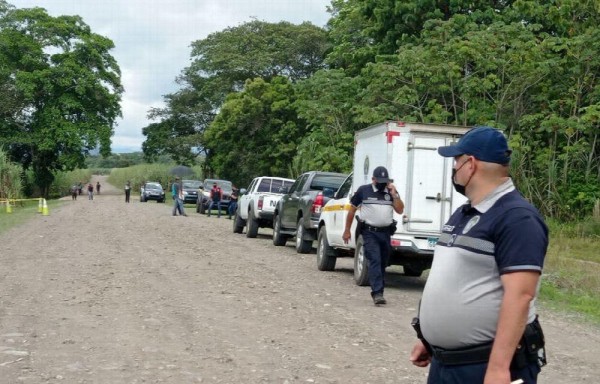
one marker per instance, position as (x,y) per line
(107,292)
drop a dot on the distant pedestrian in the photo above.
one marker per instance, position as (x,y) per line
(80,188)
(177,193)
(74,191)
(127,191)
(90,189)
(97,187)
(216,194)
(233,202)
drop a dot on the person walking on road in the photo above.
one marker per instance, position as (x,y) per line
(377,201)
(177,193)
(216,194)
(233,202)
(477,321)
(98,187)
(90,189)
(74,191)
(127,191)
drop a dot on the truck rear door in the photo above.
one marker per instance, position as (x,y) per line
(429,183)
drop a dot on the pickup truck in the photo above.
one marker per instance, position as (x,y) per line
(256,205)
(297,212)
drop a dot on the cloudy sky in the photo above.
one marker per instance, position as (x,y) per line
(152,39)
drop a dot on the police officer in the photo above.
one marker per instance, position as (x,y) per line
(377,202)
(477,313)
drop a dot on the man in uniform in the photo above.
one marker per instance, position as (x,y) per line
(477,316)
(377,202)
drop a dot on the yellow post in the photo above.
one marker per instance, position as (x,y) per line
(8,207)
(40,205)
(45,208)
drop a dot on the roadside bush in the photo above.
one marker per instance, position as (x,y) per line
(10,178)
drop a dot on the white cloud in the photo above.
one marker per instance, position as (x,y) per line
(152,41)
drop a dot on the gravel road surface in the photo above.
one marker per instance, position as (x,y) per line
(107,292)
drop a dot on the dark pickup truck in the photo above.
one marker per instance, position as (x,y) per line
(297,212)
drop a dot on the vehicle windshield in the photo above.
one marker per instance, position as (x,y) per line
(153,186)
(193,184)
(225,185)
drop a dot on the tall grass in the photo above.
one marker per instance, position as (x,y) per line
(138,174)
(10,178)
(571,278)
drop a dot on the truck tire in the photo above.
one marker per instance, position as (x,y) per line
(302,245)
(279,239)
(361,266)
(238,223)
(326,254)
(202,208)
(252,229)
(142,200)
(412,271)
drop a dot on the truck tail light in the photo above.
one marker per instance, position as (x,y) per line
(260,203)
(318,203)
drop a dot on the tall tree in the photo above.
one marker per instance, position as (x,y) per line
(256,131)
(69,86)
(222,63)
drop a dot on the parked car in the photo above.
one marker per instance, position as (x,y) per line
(190,190)
(257,204)
(297,212)
(152,190)
(204,199)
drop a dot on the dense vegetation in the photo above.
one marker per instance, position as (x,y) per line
(61,92)
(527,67)
(278,98)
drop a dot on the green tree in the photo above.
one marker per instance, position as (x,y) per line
(70,89)
(222,63)
(255,132)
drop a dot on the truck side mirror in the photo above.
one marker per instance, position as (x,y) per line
(243,191)
(328,192)
(284,190)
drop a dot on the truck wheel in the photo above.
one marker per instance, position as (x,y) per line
(412,271)
(252,223)
(238,223)
(302,246)
(361,266)
(278,238)
(326,255)
(142,200)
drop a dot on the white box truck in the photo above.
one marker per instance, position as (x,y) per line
(422,177)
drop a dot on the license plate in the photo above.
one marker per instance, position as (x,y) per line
(431,242)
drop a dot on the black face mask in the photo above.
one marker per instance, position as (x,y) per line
(380,186)
(462,189)
(457,187)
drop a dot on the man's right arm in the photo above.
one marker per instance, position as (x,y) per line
(347,235)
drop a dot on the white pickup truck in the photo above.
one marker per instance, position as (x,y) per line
(256,205)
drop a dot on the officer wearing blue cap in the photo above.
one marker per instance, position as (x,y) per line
(477,320)
(378,201)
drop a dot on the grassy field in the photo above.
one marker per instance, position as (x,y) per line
(23,212)
(571,279)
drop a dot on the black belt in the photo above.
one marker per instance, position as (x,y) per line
(472,355)
(375,229)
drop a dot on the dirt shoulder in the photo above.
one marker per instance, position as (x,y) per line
(107,292)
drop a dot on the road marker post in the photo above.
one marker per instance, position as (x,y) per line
(40,205)
(45,208)
(8,207)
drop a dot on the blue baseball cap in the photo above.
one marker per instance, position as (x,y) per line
(484,143)
(381,175)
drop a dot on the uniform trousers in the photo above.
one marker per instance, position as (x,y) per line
(475,373)
(377,249)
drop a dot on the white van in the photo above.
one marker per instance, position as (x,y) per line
(422,177)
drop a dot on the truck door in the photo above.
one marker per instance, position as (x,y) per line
(290,207)
(429,185)
(341,206)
